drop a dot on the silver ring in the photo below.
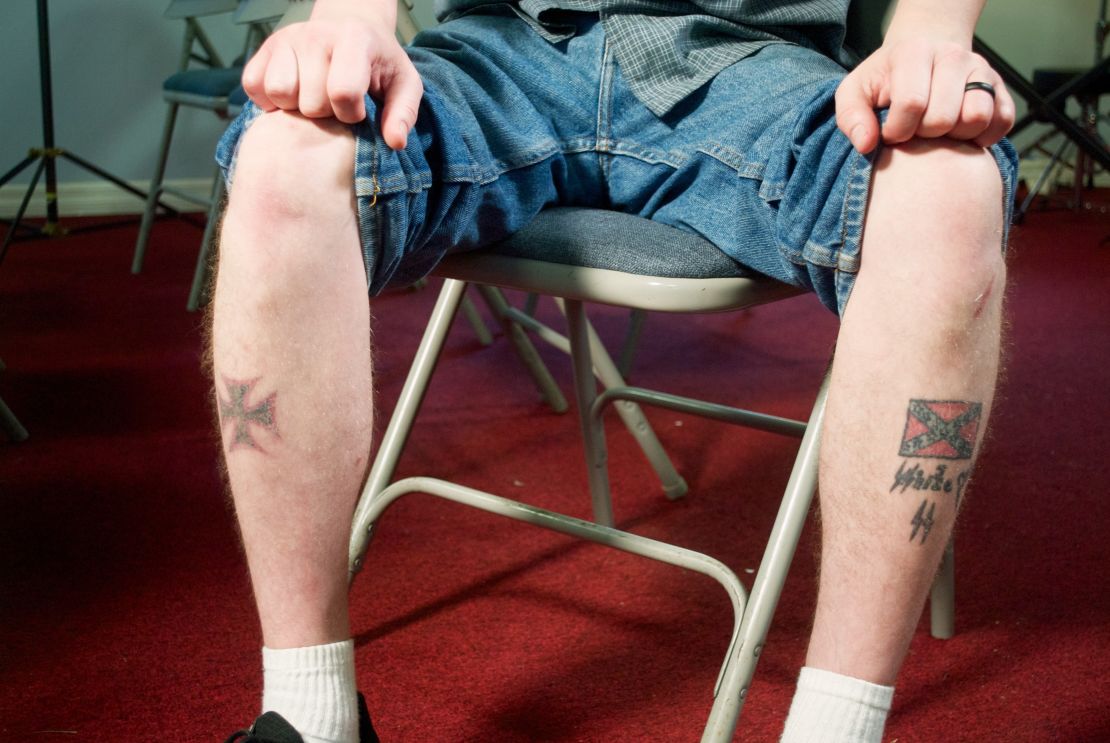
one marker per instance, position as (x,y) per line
(985,87)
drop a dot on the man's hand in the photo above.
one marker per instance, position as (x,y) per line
(325,66)
(922,79)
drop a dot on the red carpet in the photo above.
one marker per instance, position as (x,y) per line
(126,616)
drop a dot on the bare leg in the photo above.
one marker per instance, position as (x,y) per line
(912,385)
(291,345)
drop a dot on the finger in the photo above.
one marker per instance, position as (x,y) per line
(855,113)
(312,79)
(281,77)
(1004,113)
(978,107)
(911,70)
(946,96)
(254,79)
(349,79)
(402,101)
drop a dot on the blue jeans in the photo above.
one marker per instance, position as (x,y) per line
(511,123)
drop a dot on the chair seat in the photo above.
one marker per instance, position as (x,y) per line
(205,88)
(603,256)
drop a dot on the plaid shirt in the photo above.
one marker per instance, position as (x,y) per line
(667,50)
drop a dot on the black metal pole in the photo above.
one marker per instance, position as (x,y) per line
(1092,145)
(46,87)
(49,153)
(1058,96)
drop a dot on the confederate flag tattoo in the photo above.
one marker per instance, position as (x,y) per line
(943,429)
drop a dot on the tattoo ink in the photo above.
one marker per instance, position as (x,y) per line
(941,429)
(914,477)
(923,520)
(242,414)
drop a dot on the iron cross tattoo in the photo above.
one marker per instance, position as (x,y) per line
(239,411)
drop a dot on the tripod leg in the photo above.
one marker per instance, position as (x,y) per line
(95,170)
(22,210)
(18,169)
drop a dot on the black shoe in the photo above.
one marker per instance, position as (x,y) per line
(273,728)
(366,732)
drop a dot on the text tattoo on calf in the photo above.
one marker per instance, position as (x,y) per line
(240,412)
(936,429)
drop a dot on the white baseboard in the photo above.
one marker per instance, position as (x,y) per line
(98,198)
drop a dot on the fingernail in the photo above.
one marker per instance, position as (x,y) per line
(856,136)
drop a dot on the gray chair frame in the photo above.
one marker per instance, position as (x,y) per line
(9,424)
(195,47)
(573,286)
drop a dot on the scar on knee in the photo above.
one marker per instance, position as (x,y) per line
(982,299)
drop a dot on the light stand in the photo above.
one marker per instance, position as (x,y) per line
(47,155)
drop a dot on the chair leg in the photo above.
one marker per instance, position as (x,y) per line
(545,383)
(10,425)
(767,588)
(674,486)
(631,342)
(585,392)
(400,423)
(198,291)
(155,192)
(942,601)
(470,312)
(1036,189)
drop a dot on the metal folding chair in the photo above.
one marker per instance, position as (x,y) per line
(208,87)
(587,255)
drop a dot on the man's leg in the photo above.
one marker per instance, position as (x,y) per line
(911,390)
(291,349)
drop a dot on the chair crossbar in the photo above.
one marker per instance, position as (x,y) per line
(634,544)
(701,408)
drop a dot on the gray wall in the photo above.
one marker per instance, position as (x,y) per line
(110,59)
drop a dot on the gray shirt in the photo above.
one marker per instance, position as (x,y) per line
(667,50)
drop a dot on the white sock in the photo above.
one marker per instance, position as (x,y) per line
(831,708)
(314,689)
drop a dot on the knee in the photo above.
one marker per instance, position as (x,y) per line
(292,168)
(942,202)
(291,200)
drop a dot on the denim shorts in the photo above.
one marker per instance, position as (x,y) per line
(511,123)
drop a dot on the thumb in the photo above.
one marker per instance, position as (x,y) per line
(401,103)
(855,114)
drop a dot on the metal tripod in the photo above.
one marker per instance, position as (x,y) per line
(46,156)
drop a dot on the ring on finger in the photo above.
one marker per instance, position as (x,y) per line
(977,85)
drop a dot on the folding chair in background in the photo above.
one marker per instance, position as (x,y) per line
(207,86)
